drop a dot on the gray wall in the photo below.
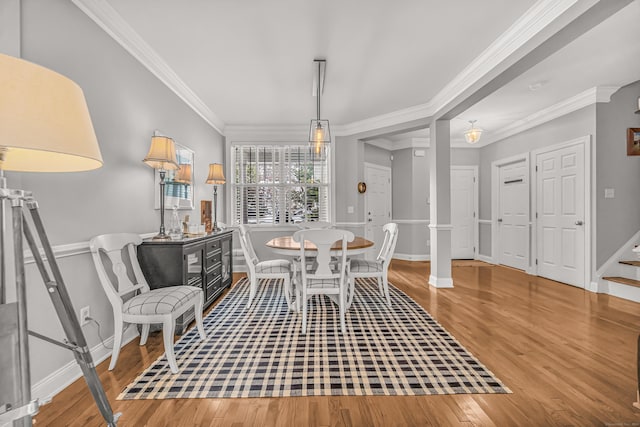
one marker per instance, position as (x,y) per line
(377,155)
(349,158)
(126,103)
(617,218)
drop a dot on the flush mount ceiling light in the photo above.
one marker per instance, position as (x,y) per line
(319,132)
(473,135)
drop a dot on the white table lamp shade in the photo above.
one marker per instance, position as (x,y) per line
(216,174)
(45,124)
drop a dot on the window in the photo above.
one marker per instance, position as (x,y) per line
(280,184)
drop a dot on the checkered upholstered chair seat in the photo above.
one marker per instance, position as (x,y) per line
(116,261)
(365,266)
(161,301)
(273,266)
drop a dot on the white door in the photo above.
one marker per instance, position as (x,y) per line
(377,204)
(463,215)
(560,201)
(513,215)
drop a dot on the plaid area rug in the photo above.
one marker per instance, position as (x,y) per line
(261,352)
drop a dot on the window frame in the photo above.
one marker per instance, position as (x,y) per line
(237,207)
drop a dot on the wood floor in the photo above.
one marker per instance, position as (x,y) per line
(567,355)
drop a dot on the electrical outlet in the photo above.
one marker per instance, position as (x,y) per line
(85,313)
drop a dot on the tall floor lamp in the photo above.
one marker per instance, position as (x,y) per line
(216,177)
(45,126)
(162,156)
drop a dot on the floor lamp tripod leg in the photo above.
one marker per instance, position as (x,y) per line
(64,308)
(21,299)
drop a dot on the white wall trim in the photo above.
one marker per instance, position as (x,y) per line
(54,383)
(412,257)
(350,224)
(69,249)
(107,18)
(411,221)
(485,258)
(441,226)
(485,221)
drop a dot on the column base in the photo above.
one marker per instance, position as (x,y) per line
(441,282)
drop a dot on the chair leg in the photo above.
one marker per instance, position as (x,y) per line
(117,339)
(351,287)
(380,286)
(168,327)
(304,311)
(385,284)
(287,290)
(144,335)
(341,307)
(198,312)
(252,290)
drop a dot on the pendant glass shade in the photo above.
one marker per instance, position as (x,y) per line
(216,174)
(162,153)
(45,124)
(319,131)
(473,135)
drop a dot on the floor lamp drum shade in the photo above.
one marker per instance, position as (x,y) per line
(45,124)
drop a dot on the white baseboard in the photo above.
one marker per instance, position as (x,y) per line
(485,258)
(620,290)
(54,383)
(411,257)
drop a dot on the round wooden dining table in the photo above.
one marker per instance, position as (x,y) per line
(285,245)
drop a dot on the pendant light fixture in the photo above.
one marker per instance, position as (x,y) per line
(319,132)
(473,135)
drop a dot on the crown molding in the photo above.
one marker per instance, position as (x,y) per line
(536,19)
(112,23)
(398,117)
(269,133)
(569,105)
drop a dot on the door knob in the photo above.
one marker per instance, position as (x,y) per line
(370,220)
(578,222)
(499,219)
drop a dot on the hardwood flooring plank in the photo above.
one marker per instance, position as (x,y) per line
(568,355)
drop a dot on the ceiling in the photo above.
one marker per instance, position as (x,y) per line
(251,62)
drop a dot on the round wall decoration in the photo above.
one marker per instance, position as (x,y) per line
(362,187)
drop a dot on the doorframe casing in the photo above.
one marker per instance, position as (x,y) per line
(495,206)
(389,197)
(585,141)
(476,206)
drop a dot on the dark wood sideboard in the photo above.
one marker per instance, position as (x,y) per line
(205,262)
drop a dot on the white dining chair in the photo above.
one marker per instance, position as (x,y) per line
(324,276)
(133,302)
(378,268)
(268,269)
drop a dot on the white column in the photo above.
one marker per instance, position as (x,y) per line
(440,212)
